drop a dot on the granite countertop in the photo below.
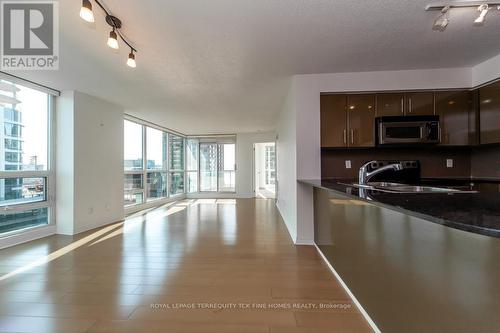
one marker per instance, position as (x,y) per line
(474,212)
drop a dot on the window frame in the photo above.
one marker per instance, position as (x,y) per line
(164,170)
(48,174)
(218,142)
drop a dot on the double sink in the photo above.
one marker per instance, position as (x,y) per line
(405,188)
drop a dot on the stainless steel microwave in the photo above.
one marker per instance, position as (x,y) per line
(407,130)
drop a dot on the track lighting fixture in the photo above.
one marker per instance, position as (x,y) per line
(483,9)
(113,40)
(86,12)
(115,23)
(131,60)
(443,20)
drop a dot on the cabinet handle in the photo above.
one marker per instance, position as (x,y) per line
(352,136)
(409,106)
(345,135)
(402,106)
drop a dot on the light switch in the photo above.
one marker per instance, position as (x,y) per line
(348,164)
(449,163)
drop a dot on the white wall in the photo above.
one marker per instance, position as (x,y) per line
(65,161)
(286,164)
(245,160)
(299,130)
(486,71)
(89,163)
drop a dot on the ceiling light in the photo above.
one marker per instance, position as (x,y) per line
(115,23)
(443,20)
(86,12)
(483,6)
(131,60)
(484,10)
(113,40)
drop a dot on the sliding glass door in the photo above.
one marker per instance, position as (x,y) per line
(217,167)
(208,167)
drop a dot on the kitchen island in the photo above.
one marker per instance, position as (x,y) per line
(408,258)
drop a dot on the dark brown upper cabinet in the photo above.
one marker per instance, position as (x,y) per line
(489,113)
(333,121)
(390,104)
(456,111)
(361,120)
(419,103)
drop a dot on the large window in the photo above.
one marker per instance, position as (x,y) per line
(192,152)
(176,164)
(162,173)
(270,152)
(25,178)
(208,167)
(227,165)
(133,143)
(217,167)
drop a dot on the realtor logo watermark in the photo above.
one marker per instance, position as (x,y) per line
(30,35)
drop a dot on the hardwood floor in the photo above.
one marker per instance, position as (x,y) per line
(191,266)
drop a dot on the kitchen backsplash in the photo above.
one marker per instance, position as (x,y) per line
(433,161)
(485,162)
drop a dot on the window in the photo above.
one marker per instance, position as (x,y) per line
(153,165)
(133,146)
(208,167)
(270,177)
(12,115)
(176,152)
(176,183)
(24,158)
(227,163)
(156,149)
(176,164)
(217,167)
(192,152)
(13,130)
(157,185)
(13,144)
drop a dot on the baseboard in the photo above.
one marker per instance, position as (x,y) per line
(348,291)
(95,226)
(304,242)
(27,236)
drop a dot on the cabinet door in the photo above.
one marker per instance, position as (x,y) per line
(489,113)
(333,121)
(419,103)
(390,104)
(454,109)
(361,120)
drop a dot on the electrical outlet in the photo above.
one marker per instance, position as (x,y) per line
(348,164)
(449,163)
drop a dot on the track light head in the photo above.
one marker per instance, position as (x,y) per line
(86,12)
(483,9)
(113,40)
(131,60)
(443,20)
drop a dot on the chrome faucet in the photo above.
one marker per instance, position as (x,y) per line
(365,175)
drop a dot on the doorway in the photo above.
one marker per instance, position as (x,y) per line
(265,170)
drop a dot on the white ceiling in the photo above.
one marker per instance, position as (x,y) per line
(222,66)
